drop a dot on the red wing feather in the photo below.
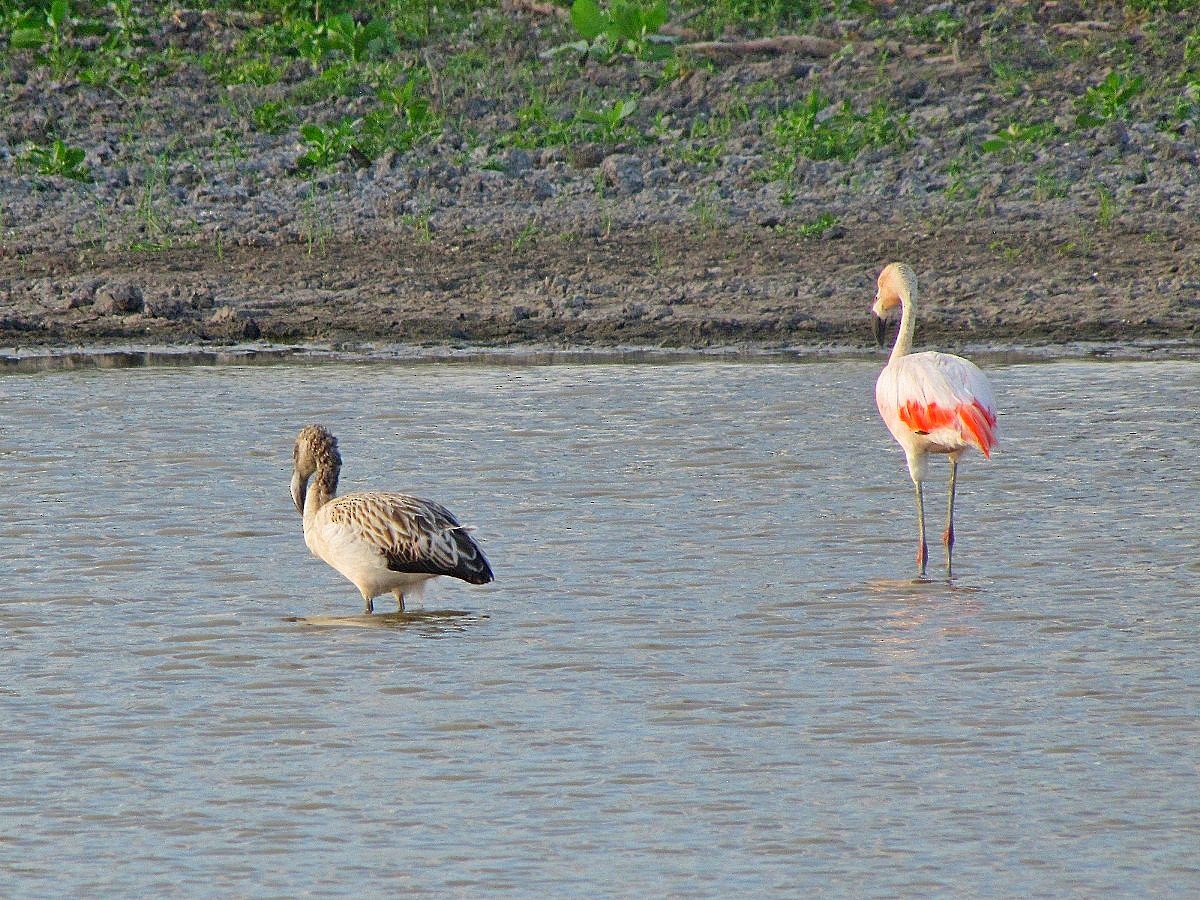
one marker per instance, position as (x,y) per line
(972,419)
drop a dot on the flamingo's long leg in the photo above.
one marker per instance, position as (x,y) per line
(948,534)
(922,549)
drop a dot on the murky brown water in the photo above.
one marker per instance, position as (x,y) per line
(701,670)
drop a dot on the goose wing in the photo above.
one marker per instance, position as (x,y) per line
(412,534)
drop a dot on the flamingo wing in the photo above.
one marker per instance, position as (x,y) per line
(940,396)
(412,534)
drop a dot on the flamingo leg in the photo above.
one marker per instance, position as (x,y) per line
(922,549)
(948,534)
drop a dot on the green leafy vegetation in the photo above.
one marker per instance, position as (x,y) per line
(941,26)
(765,17)
(611,122)
(51,30)
(625,27)
(815,128)
(1106,211)
(272,117)
(816,227)
(1109,99)
(59,159)
(1016,137)
(402,120)
(538,126)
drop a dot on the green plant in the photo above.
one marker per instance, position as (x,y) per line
(406,104)
(1016,136)
(326,146)
(817,129)
(1191,49)
(1048,186)
(59,159)
(610,123)
(1184,112)
(403,120)
(1109,99)
(1107,212)
(817,226)
(707,211)
(527,234)
(153,223)
(940,26)
(355,40)
(420,225)
(256,71)
(761,17)
(271,117)
(625,27)
(52,27)
(315,224)
(1011,80)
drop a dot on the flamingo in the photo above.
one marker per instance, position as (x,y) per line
(931,402)
(382,542)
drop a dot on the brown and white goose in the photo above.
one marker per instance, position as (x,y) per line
(381,541)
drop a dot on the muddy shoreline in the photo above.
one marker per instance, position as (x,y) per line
(647,287)
(690,226)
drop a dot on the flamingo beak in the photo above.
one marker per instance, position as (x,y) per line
(879,328)
(299,484)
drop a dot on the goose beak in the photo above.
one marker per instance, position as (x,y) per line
(299,484)
(879,328)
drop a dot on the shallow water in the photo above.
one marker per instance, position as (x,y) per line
(703,668)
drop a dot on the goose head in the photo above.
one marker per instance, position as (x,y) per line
(315,450)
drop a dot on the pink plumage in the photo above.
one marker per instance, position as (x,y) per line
(931,402)
(944,401)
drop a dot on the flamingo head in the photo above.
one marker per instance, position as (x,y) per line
(896,286)
(315,449)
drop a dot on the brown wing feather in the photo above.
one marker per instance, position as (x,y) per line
(414,535)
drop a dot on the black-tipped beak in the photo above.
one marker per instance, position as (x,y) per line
(299,485)
(879,329)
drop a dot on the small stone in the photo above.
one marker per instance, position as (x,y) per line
(164,306)
(384,162)
(118,298)
(586,156)
(83,295)
(623,172)
(518,162)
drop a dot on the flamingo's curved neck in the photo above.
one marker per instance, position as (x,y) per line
(321,489)
(908,324)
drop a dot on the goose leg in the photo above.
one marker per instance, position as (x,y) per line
(922,549)
(399,595)
(368,605)
(948,534)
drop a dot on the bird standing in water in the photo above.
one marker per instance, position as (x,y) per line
(931,402)
(382,542)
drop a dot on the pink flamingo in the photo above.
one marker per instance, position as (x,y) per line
(931,402)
